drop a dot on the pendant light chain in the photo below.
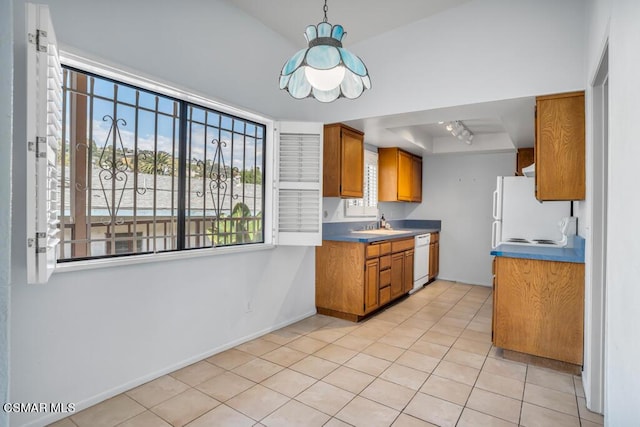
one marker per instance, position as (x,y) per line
(325,11)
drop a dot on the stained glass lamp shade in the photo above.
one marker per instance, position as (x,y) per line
(324,70)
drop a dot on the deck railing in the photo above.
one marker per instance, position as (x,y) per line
(144,235)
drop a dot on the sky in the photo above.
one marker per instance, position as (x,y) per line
(167,127)
(220,127)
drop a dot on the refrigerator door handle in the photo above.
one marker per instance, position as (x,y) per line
(495,205)
(494,234)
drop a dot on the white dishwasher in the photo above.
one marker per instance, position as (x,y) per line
(421,261)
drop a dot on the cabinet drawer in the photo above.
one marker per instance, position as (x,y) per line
(385,295)
(385,248)
(385,278)
(385,262)
(373,251)
(402,245)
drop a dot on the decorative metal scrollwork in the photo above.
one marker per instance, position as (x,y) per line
(78,147)
(218,176)
(113,170)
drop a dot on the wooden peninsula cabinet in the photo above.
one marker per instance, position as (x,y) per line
(354,279)
(343,159)
(399,176)
(539,308)
(560,147)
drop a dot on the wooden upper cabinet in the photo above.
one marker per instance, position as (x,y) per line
(416,179)
(343,170)
(524,158)
(560,147)
(399,176)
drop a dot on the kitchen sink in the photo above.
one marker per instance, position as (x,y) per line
(381,231)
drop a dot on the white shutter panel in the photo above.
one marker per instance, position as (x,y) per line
(44,126)
(299,184)
(368,205)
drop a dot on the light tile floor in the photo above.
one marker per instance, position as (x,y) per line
(425,361)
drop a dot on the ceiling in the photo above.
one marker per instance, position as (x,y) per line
(361,19)
(497,126)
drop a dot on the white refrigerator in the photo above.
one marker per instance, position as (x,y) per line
(519,218)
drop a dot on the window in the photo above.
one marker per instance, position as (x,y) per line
(118,164)
(368,205)
(141,172)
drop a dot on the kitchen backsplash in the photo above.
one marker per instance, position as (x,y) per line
(333,211)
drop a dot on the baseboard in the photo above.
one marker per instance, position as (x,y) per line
(93,400)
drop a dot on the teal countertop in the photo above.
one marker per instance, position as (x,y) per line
(370,237)
(355,231)
(544,253)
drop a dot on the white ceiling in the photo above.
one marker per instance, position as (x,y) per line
(361,19)
(498,126)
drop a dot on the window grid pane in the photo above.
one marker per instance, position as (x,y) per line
(119,172)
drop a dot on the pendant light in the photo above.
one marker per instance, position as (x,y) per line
(325,70)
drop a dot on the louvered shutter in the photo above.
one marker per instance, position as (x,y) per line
(299,184)
(368,205)
(44,126)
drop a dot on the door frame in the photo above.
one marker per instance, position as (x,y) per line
(596,286)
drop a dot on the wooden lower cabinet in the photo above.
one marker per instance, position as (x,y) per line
(539,308)
(407,280)
(354,279)
(397,274)
(371,284)
(434,256)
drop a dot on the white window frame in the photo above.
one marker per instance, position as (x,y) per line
(270,226)
(367,207)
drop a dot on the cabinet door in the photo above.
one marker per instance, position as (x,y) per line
(560,147)
(397,276)
(352,164)
(405,176)
(539,308)
(436,262)
(432,260)
(408,271)
(493,315)
(416,179)
(371,285)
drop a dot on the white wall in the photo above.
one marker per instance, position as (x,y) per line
(483,50)
(598,17)
(333,208)
(457,189)
(623,266)
(200,45)
(6,133)
(88,335)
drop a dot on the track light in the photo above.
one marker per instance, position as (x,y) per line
(459,130)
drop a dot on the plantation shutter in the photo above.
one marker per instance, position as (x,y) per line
(368,205)
(44,126)
(299,184)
